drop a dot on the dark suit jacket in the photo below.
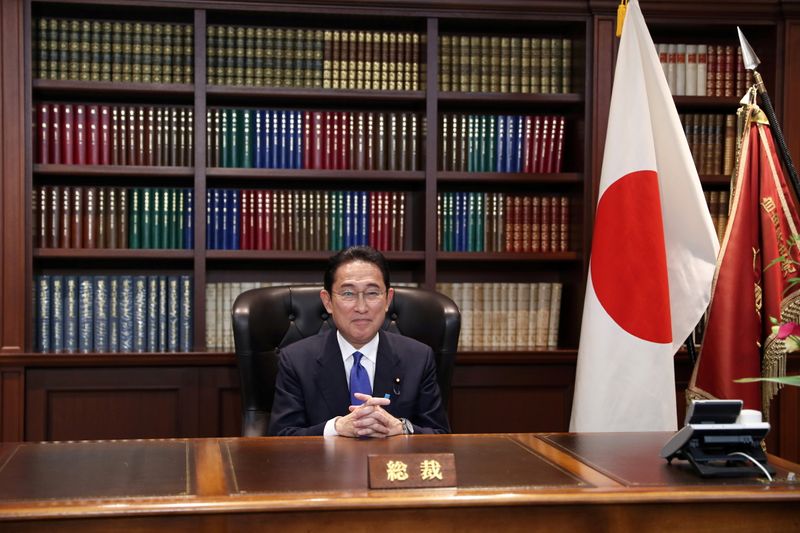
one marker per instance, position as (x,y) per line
(311,387)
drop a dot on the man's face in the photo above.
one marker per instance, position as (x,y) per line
(359,301)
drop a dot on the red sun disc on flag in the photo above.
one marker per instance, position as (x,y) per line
(628,265)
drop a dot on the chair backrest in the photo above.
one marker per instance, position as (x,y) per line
(264,320)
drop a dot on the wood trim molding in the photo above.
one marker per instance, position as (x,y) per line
(12,179)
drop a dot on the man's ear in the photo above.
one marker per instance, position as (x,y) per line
(326,301)
(389,297)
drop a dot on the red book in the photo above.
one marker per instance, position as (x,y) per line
(346,131)
(268,220)
(79,135)
(76,218)
(527,136)
(308,129)
(42,132)
(252,220)
(525,227)
(555,223)
(65,223)
(90,217)
(544,228)
(66,135)
(536,224)
(258,238)
(336,152)
(547,144)
(93,135)
(536,142)
(104,139)
(244,231)
(54,157)
(389,208)
(563,240)
(316,147)
(558,143)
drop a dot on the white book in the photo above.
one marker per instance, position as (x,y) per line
(672,73)
(691,70)
(523,314)
(663,57)
(510,318)
(555,312)
(211,309)
(488,315)
(543,314)
(702,69)
(680,69)
(477,315)
(467,316)
(457,297)
(533,314)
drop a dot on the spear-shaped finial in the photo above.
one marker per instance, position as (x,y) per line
(751,62)
(749,57)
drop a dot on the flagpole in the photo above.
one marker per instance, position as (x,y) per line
(751,61)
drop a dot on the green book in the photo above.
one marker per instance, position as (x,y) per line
(147,53)
(156,219)
(157,54)
(166,54)
(146,222)
(472,245)
(104,70)
(165,215)
(234,137)
(117,57)
(178,225)
(480,208)
(491,145)
(188,53)
(223,138)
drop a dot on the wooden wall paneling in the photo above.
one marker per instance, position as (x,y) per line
(12,398)
(13,199)
(219,403)
(111,403)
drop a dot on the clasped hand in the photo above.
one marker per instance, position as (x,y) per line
(369,419)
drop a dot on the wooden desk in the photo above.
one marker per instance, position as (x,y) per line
(518,482)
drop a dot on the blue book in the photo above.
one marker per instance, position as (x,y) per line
(113,314)
(282,147)
(139,343)
(126,313)
(43,318)
(363,219)
(234,229)
(291,139)
(100,311)
(471,222)
(210,219)
(480,215)
(275,143)
(266,133)
(173,313)
(470,138)
(162,314)
(85,314)
(151,314)
(188,219)
(185,338)
(70,314)
(221,225)
(500,154)
(57,314)
(259,137)
(177,218)
(299,148)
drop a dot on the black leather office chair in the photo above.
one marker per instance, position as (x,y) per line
(267,319)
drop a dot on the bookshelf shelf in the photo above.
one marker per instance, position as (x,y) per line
(113,170)
(508,256)
(225,93)
(296,255)
(371,176)
(510,98)
(106,253)
(565,178)
(104,88)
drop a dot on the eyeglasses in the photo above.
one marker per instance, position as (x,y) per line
(371,296)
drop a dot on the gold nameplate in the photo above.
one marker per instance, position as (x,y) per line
(412,471)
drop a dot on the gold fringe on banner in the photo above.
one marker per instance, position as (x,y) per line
(621,8)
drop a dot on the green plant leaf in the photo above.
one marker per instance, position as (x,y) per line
(786,380)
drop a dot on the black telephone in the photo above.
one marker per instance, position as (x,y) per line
(716,444)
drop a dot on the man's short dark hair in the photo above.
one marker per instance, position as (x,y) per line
(366,254)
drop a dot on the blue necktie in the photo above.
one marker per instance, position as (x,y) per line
(359,379)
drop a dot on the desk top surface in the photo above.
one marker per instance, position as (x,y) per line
(191,475)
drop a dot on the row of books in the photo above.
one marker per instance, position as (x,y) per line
(501,143)
(718,205)
(499,222)
(219,302)
(506,316)
(712,141)
(493,63)
(704,69)
(305,57)
(112,217)
(304,220)
(95,134)
(106,50)
(118,313)
(339,140)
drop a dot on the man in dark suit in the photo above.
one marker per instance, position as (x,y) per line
(357,381)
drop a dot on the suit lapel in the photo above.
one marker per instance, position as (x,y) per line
(387,368)
(330,378)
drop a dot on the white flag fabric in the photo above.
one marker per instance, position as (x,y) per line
(653,252)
